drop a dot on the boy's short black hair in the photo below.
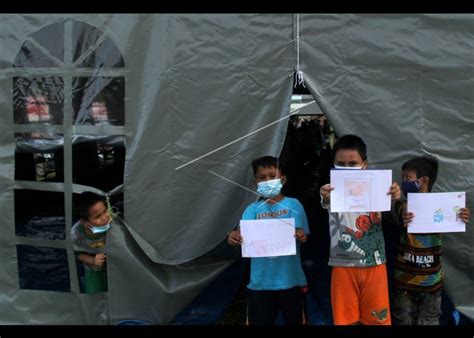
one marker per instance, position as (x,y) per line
(425,165)
(351,142)
(266,162)
(85,201)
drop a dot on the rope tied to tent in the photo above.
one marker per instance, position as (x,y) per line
(299,79)
(299,74)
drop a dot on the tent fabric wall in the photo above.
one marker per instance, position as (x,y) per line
(405,84)
(196,84)
(221,77)
(217,78)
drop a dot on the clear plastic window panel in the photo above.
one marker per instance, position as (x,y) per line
(45,48)
(43,268)
(39,214)
(38,100)
(39,157)
(94,49)
(99,100)
(99,161)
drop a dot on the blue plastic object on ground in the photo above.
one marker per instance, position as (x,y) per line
(133,322)
(456,317)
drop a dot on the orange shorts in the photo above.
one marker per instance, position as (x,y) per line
(360,295)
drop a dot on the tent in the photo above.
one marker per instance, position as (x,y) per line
(183,103)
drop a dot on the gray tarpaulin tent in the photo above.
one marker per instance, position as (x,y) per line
(178,87)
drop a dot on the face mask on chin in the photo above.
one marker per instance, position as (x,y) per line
(269,189)
(99,229)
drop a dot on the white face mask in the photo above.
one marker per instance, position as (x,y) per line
(100,229)
(350,168)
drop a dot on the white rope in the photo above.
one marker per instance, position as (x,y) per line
(299,73)
(299,78)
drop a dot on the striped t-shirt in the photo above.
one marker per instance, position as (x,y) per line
(418,265)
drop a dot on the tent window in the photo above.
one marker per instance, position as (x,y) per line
(99,100)
(39,214)
(99,161)
(43,48)
(38,100)
(43,268)
(93,49)
(39,157)
(85,88)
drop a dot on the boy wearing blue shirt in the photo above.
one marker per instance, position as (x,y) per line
(276,283)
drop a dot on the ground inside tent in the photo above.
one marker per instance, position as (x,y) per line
(224,302)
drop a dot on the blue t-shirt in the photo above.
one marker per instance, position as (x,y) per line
(283,272)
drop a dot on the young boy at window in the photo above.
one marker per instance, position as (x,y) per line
(89,233)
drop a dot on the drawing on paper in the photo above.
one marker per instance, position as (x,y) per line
(438,216)
(260,248)
(357,194)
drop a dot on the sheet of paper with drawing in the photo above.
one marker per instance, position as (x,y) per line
(436,212)
(360,190)
(268,237)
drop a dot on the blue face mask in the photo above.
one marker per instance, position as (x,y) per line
(269,189)
(99,230)
(410,186)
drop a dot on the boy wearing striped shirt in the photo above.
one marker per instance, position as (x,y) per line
(418,271)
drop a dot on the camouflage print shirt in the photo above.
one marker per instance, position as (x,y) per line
(356,239)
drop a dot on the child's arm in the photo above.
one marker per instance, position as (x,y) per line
(394,215)
(96,260)
(234,237)
(394,191)
(398,208)
(300,235)
(325,193)
(407,217)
